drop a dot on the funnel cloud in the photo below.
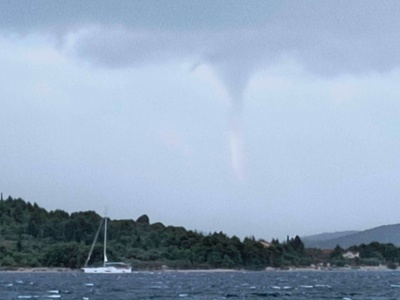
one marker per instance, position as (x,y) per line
(99,105)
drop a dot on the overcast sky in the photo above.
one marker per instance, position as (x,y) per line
(264,118)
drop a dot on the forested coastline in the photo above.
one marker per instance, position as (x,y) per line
(31,236)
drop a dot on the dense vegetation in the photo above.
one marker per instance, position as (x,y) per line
(373,254)
(30,236)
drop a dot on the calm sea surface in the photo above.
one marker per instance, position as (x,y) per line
(199,285)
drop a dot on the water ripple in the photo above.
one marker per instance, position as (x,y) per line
(202,285)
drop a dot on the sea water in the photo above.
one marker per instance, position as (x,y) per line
(202,285)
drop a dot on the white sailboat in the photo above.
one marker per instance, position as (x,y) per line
(107,267)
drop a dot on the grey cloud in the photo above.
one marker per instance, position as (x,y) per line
(28,15)
(326,37)
(333,37)
(120,47)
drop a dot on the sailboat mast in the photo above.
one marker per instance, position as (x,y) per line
(105,240)
(94,242)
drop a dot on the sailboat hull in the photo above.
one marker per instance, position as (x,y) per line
(107,270)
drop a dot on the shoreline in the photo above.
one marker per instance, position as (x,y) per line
(39,270)
(380,268)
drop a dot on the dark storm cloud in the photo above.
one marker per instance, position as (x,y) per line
(177,14)
(326,37)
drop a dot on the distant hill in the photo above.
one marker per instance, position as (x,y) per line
(381,234)
(326,236)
